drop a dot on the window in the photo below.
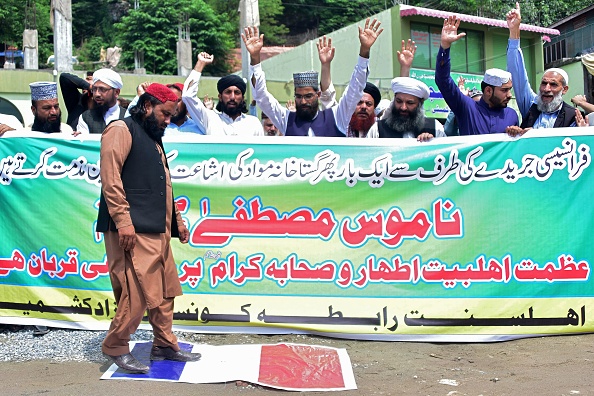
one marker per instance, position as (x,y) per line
(467,54)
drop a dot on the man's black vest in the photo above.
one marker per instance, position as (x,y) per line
(144,180)
(323,125)
(94,119)
(565,118)
(386,132)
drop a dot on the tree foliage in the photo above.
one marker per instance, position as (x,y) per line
(12,15)
(214,24)
(271,18)
(153,28)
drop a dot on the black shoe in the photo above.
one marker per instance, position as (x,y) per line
(40,330)
(129,363)
(167,353)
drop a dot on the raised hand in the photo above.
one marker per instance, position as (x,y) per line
(580,120)
(325,50)
(514,17)
(253,43)
(208,103)
(291,105)
(406,55)
(204,59)
(449,32)
(141,88)
(368,35)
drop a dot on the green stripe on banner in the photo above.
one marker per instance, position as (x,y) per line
(469,238)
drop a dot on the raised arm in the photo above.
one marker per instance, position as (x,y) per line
(514,19)
(368,35)
(70,86)
(580,100)
(353,92)
(198,112)
(326,55)
(266,102)
(253,43)
(515,62)
(449,32)
(406,56)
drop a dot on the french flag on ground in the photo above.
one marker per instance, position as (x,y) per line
(282,366)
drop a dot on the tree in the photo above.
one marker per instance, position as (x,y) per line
(271,15)
(12,15)
(153,28)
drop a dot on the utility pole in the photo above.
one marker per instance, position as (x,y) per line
(61,13)
(138,54)
(249,16)
(30,37)
(184,47)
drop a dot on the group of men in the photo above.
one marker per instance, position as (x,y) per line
(137,214)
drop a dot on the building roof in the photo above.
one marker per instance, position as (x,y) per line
(406,10)
(573,16)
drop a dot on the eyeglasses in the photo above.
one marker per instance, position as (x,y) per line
(101,89)
(308,96)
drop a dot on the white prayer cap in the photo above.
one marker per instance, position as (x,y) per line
(43,90)
(383,105)
(410,86)
(109,77)
(497,77)
(559,71)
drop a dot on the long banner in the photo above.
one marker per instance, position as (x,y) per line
(464,239)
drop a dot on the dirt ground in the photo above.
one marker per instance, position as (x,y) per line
(561,365)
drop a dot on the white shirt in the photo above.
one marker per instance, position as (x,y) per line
(65,129)
(279,115)
(11,121)
(439,132)
(216,123)
(113,113)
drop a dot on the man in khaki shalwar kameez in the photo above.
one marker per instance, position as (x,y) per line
(135,214)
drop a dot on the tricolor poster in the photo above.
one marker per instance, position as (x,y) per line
(466,239)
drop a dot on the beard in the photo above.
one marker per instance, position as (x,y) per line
(151,126)
(47,126)
(413,122)
(550,107)
(307,111)
(361,125)
(101,108)
(180,116)
(232,111)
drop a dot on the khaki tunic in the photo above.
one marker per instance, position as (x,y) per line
(146,276)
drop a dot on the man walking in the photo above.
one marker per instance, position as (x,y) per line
(138,217)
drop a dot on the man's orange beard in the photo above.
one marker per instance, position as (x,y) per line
(361,124)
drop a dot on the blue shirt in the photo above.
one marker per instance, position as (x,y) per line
(190,126)
(474,118)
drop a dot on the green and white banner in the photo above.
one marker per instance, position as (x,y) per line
(464,239)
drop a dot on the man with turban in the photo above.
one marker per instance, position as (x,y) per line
(547,108)
(138,218)
(405,118)
(230,117)
(367,110)
(106,89)
(488,115)
(46,109)
(363,118)
(308,120)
